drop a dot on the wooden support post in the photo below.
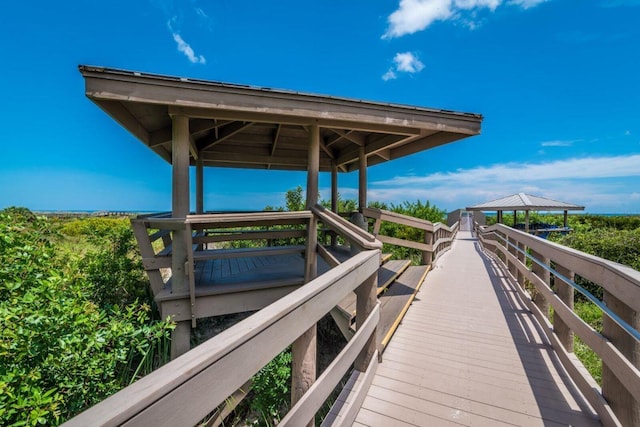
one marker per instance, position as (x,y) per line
(365,303)
(199,185)
(526,221)
(303,352)
(427,257)
(622,402)
(515,218)
(362,179)
(313,169)
(565,293)
(334,187)
(545,275)
(334,197)
(566,219)
(180,337)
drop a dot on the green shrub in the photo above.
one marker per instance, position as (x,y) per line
(59,351)
(416,209)
(272,389)
(113,264)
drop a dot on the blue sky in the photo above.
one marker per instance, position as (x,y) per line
(558,82)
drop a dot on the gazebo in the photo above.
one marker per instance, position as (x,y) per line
(525,202)
(198,123)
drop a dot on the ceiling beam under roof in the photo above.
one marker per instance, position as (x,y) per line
(371,148)
(356,138)
(224,133)
(260,159)
(243,116)
(163,136)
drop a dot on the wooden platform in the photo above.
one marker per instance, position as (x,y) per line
(468,353)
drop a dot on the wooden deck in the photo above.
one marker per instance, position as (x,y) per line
(469,353)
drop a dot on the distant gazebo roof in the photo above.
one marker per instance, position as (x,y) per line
(525,202)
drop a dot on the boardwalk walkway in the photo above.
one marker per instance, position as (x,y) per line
(468,353)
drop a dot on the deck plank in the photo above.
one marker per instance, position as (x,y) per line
(469,353)
(396,300)
(387,273)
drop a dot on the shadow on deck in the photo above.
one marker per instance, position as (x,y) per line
(469,353)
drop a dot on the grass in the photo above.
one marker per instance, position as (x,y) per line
(591,314)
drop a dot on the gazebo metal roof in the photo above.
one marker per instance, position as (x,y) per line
(249,127)
(525,202)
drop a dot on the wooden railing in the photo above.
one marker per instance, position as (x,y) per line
(437,237)
(188,388)
(552,269)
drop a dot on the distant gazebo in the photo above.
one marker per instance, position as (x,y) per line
(525,202)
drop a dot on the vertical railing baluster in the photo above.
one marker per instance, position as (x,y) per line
(522,258)
(427,256)
(565,293)
(512,250)
(543,274)
(622,402)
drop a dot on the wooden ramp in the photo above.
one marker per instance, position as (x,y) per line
(469,353)
(398,283)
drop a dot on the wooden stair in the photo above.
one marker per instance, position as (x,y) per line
(398,282)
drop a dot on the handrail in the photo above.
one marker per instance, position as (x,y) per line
(607,273)
(619,340)
(186,389)
(438,237)
(606,310)
(349,231)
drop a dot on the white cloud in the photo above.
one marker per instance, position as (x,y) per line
(526,4)
(416,15)
(580,168)
(599,180)
(408,62)
(201,13)
(405,62)
(389,75)
(188,50)
(558,143)
(473,4)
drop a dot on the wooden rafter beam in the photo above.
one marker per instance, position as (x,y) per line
(193,148)
(384,154)
(259,159)
(356,138)
(374,147)
(163,135)
(224,133)
(276,135)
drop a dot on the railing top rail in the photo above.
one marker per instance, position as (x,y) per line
(356,234)
(408,220)
(248,216)
(147,391)
(612,315)
(598,270)
(399,218)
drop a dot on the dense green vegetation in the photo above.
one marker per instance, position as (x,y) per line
(79,323)
(417,209)
(75,329)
